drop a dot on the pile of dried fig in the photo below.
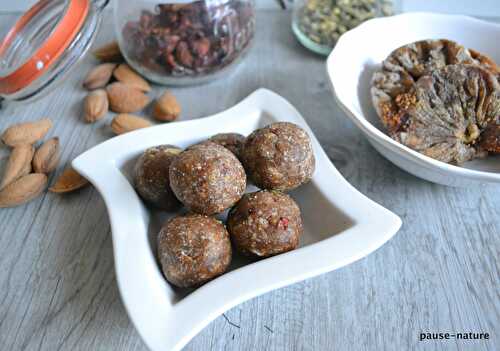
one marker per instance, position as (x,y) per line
(440,99)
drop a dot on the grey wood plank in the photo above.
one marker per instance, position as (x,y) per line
(440,272)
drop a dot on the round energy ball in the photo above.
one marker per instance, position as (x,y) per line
(193,249)
(265,223)
(207,178)
(151,176)
(279,157)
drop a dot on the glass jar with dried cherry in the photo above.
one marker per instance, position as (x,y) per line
(179,42)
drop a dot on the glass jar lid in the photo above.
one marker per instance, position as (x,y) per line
(45,43)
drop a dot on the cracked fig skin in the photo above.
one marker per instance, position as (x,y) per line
(193,249)
(151,177)
(207,178)
(448,110)
(265,223)
(404,66)
(279,157)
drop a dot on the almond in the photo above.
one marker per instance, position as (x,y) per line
(23,190)
(69,180)
(95,105)
(124,98)
(47,156)
(99,76)
(26,133)
(125,74)
(19,164)
(124,123)
(166,108)
(109,53)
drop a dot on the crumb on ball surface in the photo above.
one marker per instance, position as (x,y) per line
(193,249)
(207,178)
(265,223)
(279,157)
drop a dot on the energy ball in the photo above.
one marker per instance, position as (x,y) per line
(151,177)
(207,178)
(279,157)
(265,223)
(193,249)
(232,141)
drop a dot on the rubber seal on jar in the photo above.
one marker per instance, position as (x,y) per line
(52,48)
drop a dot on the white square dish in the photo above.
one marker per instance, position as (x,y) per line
(360,51)
(340,226)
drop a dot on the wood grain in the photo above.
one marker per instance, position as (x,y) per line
(440,272)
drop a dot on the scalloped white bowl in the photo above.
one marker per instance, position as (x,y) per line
(360,51)
(340,226)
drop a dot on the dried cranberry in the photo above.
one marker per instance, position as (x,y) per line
(201,46)
(283,223)
(183,54)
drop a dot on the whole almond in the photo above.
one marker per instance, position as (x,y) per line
(166,108)
(69,180)
(18,165)
(124,98)
(125,74)
(99,76)
(23,190)
(124,123)
(47,156)
(109,53)
(95,105)
(26,133)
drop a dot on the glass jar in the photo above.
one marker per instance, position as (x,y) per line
(318,24)
(174,42)
(44,44)
(179,43)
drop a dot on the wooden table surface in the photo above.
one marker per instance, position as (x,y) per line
(440,273)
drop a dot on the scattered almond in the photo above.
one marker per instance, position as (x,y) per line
(47,156)
(68,181)
(23,190)
(124,123)
(99,76)
(109,53)
(124,98)
(95,105)
(166,108)
(125,74)
(26,133)
(18,165)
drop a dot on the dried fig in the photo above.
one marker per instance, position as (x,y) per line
(449,109)
(405,65)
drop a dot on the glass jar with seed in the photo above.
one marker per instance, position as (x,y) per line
(318,24)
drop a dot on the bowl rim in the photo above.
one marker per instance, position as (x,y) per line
(374,133)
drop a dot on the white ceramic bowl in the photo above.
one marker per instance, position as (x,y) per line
(341,225)
(360,51)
